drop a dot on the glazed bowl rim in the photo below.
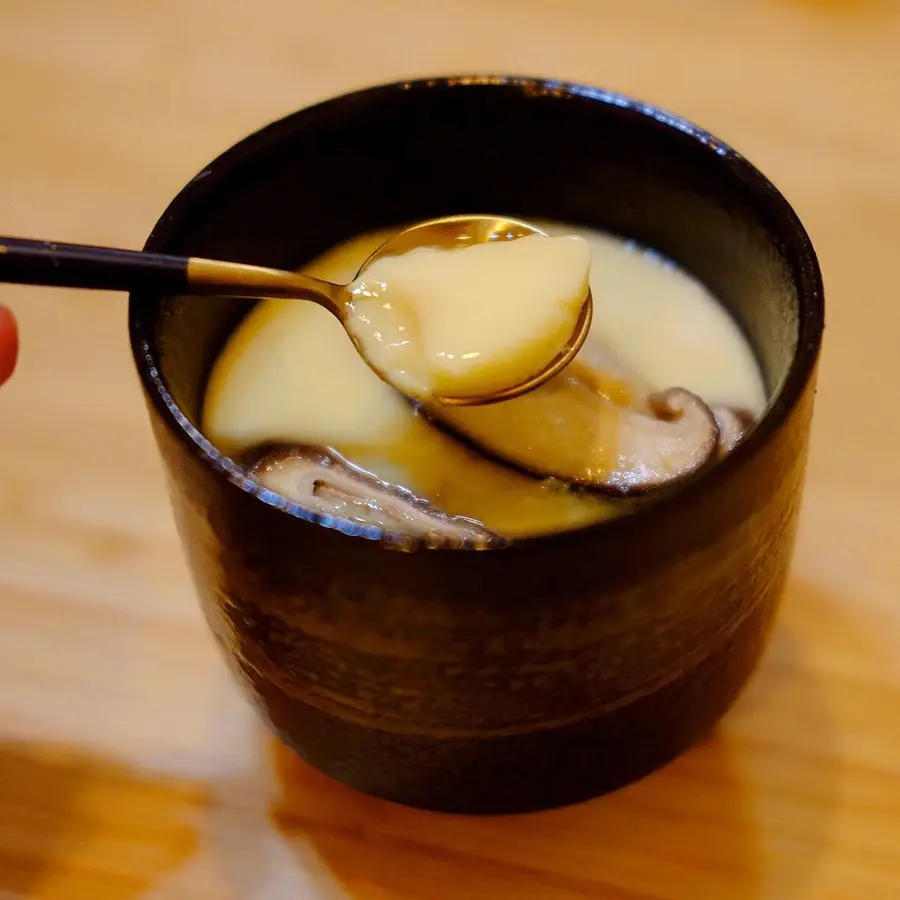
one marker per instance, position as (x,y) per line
(798,250)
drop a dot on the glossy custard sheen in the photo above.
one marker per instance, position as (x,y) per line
(290,375)
(471,320)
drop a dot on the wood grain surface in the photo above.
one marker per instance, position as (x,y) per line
(129,766)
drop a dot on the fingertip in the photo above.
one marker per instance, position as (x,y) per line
(9,344)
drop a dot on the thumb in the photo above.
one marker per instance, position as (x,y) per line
(9,344)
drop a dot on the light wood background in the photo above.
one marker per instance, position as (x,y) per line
(129,766)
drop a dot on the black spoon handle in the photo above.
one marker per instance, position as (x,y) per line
(83,266)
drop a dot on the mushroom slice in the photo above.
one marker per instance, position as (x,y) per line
(733,426)
(591,428)
(323,481)
(677,440)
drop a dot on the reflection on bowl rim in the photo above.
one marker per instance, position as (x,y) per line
(810,325)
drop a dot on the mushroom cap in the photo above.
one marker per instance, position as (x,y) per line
(325,482)
(595,426)
(733,426)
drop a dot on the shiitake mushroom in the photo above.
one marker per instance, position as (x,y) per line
(733,426)
(325,482)
(598,426)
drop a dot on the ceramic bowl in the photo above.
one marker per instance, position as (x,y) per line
(559,667)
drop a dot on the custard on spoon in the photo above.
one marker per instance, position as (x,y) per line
(472,321)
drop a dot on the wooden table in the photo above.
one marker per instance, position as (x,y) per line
(129,765)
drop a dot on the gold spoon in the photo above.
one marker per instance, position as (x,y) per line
(105,268)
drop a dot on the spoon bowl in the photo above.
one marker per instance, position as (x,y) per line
(457,232)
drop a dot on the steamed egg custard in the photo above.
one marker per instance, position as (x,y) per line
(664,385)
(472,320)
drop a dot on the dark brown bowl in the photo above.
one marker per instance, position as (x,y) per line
(560,667)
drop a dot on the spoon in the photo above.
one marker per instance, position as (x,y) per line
(104,268)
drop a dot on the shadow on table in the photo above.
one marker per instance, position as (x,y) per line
(76,825)
(728,820)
